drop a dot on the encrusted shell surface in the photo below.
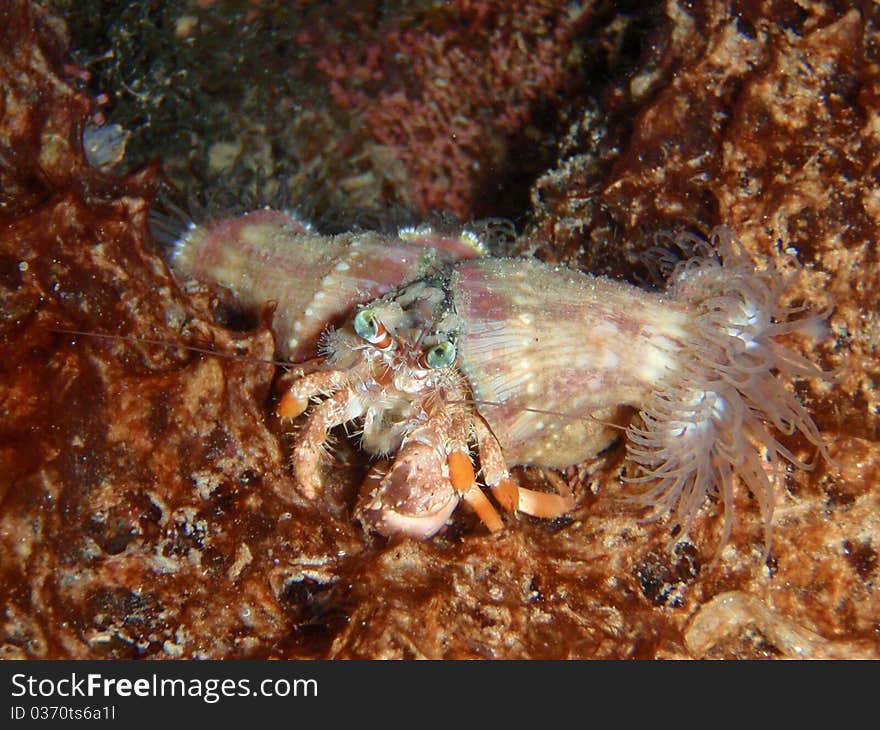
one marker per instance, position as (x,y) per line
(538,342)
(313,280)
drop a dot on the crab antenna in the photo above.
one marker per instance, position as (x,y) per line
(180,345)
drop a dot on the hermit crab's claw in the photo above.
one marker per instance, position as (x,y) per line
(461,474)
(541,504)
(413,498)
(291,406)
(512,497)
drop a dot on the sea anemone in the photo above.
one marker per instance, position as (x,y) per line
(718,415)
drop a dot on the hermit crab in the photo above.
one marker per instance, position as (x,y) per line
(442,354)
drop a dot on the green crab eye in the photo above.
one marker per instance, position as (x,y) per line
(442,355)
(366,325)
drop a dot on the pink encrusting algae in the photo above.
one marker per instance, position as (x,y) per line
(442,352)
(445,97)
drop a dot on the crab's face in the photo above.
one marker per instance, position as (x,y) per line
(399,364)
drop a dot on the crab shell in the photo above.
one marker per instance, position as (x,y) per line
(553,356)
(313,280)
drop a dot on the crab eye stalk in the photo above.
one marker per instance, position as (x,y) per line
(441,355)
(370,328)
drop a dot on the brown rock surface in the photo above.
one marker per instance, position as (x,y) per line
(147,506)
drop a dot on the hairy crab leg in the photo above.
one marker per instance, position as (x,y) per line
(507,492)
(296,398)
(340,408)
(461,469)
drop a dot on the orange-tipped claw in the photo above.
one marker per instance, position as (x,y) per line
(541,504)
(290,406)
(507,494)
(484,509)
(461,471)
(461,474)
